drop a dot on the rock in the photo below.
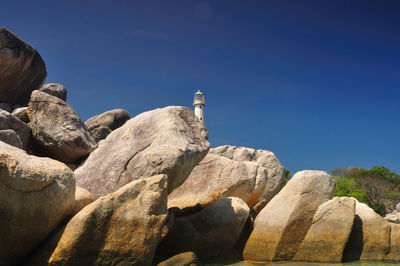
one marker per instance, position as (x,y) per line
(210,232)
(281,226)
(6,107)
(22,70)
(398,207)
(82,198)
(217,177)
(22,114)
(169,140)
(36,195)
(329,232)
(182,259)
(394,253)
(10,137)
(101,125)
(392,218)
(8,121)
(58,130)
(370,236)
(276,172)
(121,228)
(100,133)
(56,90)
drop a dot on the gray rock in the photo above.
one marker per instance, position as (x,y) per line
(8,121)
(36,195)
(122,228)
(55,89)
(169,140)
(6,107)
(22,114)
(10,137)
(281,226)
(267,159)
(22,70)
(217,177)
(209,233)
(58,130)
(101,125)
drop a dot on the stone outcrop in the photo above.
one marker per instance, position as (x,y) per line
(58,130)
(210,232)
(82,198)
(329,232)
(8,121)
(22,114)
(217,177)
(370,236)
(169,140)
(10,137)
(121,228)
(22,70)
(280,228)
(56,90)
(101,125)
(276,172)
(36,195)
(183,259)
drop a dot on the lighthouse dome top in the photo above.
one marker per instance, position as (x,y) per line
(198,98)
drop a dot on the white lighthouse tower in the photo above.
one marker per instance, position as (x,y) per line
(198,104)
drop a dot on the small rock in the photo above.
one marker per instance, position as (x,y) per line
(393,218)
(8,121)
(22,69)
(6,107)
(56,90)
(82,198)
(22,114)
(10,137)
(182,259)
(100,133)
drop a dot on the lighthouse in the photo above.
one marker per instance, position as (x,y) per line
(198,104)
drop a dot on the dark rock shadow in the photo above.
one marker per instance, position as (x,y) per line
(354,246)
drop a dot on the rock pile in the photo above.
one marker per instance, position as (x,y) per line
(151,192)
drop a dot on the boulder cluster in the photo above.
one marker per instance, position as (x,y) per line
(148,190)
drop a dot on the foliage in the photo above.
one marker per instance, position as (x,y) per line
(347,186)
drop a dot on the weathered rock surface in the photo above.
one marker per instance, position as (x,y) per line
(276,172)
(121,228)
(217,177)
(8,121)
(101,125)
(22,114)
(281,226)
(82,198)
(169,140)
(329,232)
(370,236)
(210,232)
(22,70)
(56,90)
(58,130)
(35,195)
(394,253)
(10,137)
(182,259)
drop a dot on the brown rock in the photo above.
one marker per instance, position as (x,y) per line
(36,195)
(82,198)
(121,228)
(22,70)
(182,259)
(58,130)
(10,137)
(169,140)
(281,226)
(22,114)
(8,121)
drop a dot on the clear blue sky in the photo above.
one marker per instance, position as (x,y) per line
(316,82)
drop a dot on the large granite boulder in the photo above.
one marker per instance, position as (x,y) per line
(36,194)
(122,228)
(22,70)
(210,232)
(8,121)
(58,130)
(267,159)
(101,125)
(370,236)
(217,177)
(280,228)
(169,140)
(329,232)
(56,90)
